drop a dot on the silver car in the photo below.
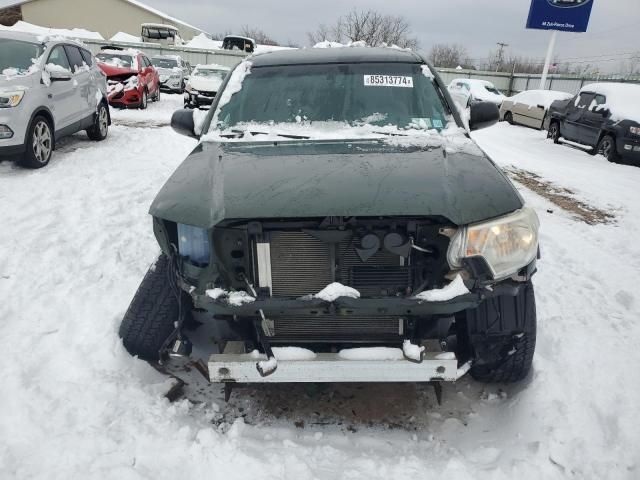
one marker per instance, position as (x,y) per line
(174,72)
(49,88)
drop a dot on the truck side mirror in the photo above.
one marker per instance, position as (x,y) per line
(483,115)
(182,122)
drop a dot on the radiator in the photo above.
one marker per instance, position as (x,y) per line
(301,264)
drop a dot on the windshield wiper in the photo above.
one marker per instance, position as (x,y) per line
(242,133)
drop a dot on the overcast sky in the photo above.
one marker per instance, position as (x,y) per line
(477,24)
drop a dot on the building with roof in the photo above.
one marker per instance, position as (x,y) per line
(107,17)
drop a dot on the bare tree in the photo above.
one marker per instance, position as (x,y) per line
(631,66)
(258,35)
(369,26)
(449,56)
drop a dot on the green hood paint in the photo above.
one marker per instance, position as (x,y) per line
(293,179)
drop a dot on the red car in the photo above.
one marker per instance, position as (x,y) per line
(131,78)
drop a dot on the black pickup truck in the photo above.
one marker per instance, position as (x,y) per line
(603,116)
(337,223)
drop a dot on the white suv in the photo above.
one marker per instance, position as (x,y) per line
(49,88)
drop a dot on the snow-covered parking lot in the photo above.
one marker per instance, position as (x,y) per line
(76,239)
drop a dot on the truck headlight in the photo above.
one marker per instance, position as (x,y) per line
(635,130)
(193,244)
(507,243)
(11,99)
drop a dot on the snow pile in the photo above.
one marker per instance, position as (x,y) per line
(235,299)
(623,99)
(336,290)
(455,289)
(535,98)
(204,42)
(371,354)
(125,37)
(77,33)
(411,351)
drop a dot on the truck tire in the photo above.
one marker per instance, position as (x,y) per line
(502,335)
(554,131)
(150,319)
(607,147)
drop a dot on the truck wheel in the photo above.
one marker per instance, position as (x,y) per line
(554,132)
(39,144)
(100,128)
(607,147)
(502,337)
(149,321)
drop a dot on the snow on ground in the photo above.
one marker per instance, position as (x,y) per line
(77,240)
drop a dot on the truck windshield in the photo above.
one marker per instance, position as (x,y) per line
(17,56)
(395,94)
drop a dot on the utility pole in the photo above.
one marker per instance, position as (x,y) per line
(500,54)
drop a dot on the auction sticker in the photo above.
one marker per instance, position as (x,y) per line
(388,81)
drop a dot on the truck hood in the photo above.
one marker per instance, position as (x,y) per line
(296,179)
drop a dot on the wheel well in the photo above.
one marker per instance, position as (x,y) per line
(47,115)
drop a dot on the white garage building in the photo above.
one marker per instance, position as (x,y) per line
(107,17)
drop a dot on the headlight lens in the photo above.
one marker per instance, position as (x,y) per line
(507,244)
(193,244)
(11,99)
(635,130)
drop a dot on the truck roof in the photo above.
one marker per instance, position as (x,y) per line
(314,56)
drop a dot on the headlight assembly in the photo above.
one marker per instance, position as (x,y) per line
(11,99)
(193,244)
(507,243)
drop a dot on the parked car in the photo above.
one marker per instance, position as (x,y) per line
(603,116)
(49,88)
(161,33)
(530,108)
(203,85)
(131,77)
(305,218)
(465,91)
(174,72)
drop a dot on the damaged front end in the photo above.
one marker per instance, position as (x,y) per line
(331,285)
(123,90)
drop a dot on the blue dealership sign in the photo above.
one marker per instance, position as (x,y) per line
(564,15)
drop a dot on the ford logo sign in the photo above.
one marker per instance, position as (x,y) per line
(567,3)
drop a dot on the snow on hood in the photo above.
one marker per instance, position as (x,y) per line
(205,84)
(453,139)
(328,44)
(623,99)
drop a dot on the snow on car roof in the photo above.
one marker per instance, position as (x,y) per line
(540,97)
(622,99)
